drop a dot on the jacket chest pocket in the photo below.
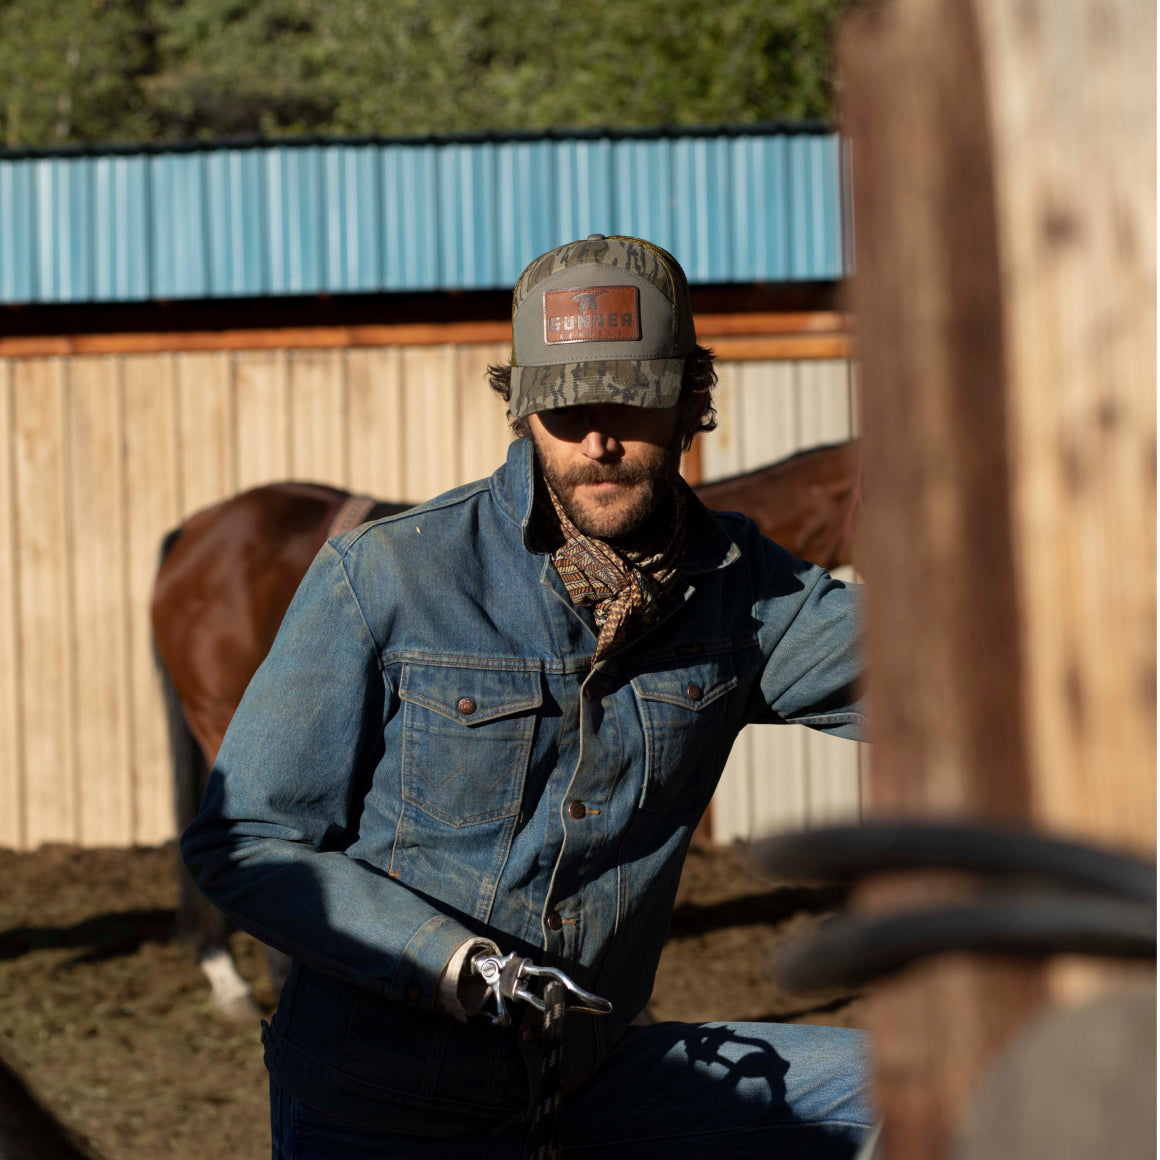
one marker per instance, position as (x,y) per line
(684,713)
(467,738)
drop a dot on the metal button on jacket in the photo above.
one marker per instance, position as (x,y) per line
(414,992)
(577,810)
(554,921)
(466,706)
(694,692)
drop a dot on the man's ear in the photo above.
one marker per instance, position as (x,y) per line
(692,410)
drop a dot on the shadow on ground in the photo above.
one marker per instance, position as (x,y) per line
(770,907)
(101,937)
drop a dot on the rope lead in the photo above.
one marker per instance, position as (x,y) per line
(542,1136)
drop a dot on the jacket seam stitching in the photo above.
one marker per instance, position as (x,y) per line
(357,603)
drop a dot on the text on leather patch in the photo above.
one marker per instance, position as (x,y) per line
(594,314)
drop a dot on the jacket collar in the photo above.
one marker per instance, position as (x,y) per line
(707,546)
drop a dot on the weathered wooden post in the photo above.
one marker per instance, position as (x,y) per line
(1004,206)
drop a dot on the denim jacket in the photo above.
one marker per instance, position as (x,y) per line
(428,753)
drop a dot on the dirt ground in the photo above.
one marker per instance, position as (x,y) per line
(107,1018)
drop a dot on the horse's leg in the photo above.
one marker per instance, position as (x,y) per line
(230,994)
(214,957)
(199,923)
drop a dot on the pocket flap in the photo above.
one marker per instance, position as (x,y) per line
(471,696)
(694,687)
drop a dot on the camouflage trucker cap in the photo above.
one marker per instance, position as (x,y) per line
(605,320)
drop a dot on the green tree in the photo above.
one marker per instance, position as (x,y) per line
(170,69)
(69,71)
(229,67)
(442,66)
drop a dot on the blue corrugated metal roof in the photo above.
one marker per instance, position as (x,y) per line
(248,220)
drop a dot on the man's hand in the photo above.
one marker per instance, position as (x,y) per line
(513,978)
(461,993)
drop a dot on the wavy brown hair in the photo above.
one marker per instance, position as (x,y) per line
(697,383)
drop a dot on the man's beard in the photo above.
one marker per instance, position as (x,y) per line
(655,482)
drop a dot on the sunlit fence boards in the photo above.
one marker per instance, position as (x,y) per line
(101,455)
(748,204)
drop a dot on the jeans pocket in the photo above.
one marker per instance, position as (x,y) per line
(467,738)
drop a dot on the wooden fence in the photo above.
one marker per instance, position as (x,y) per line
(102,453)
(1006,291)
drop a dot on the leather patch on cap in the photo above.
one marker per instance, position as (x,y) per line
(592,314)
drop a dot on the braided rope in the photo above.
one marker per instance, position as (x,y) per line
(542,1142)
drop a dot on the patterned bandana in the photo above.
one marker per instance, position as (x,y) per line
(622,586)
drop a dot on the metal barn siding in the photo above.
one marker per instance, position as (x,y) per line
(783,777)
(307,218)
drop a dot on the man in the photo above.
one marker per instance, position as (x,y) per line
(488,728)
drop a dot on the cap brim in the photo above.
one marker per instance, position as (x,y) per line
(628,382)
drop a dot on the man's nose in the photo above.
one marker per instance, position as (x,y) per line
(597,444)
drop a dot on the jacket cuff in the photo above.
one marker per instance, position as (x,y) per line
(424,958)
(454,995)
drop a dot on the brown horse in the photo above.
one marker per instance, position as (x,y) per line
(806,502)
(227,576)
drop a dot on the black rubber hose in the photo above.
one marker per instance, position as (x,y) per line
(842,853)
(849,952)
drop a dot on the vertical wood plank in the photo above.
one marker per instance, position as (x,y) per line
(731,810)
(721,449)
(935,418)
(781,789)
(206,427)
(833,774)
(261,417)
(1075,181)
(45,613)
(484,431)
(770,409)
(824,401)
(153,507)
(942,615)
(854,380)
(12,773)
(430,420)
(317,417)
(376,437)
(96,482)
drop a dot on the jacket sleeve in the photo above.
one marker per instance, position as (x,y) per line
(282,804)
(810,634)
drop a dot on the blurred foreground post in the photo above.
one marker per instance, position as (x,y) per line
(1004,208)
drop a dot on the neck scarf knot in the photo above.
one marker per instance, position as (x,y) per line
(622,585)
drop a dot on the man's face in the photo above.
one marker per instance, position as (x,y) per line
(610,465)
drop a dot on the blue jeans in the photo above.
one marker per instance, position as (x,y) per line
(666,1092)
